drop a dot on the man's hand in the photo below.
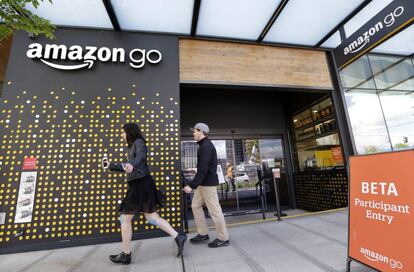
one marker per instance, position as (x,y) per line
(187,189)
(128,167)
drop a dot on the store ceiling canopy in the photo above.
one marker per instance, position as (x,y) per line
(74,13)
(309,23)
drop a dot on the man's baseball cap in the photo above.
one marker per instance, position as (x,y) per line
(201,126)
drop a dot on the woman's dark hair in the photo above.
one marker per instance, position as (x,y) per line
(133,132)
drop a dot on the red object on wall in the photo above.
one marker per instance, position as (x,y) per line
(337,155)
(29,163)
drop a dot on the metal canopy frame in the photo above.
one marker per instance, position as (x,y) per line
(196,12)
(271,23)
(111,14)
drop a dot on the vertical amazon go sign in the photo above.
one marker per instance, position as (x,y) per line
(76,57)
(393,18)
(381,215)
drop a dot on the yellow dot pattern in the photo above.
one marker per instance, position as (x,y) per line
(75,198)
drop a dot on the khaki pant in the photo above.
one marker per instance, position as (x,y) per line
(208,195)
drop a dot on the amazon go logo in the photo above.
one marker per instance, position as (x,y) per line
(376,257)
(85,57)
(362,40)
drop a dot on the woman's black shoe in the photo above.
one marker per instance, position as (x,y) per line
(180,240)
(121,258)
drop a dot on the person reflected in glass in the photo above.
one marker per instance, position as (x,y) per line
(230,176)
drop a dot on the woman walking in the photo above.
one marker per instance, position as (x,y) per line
(142,194)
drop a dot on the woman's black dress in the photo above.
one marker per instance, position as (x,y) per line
(142,196)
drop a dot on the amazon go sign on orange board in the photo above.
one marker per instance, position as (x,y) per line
(381,219)
(78,57)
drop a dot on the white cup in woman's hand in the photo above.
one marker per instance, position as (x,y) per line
(105,163)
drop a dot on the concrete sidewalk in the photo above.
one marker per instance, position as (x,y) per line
(310,243)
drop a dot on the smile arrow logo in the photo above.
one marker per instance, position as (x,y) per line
(87,63)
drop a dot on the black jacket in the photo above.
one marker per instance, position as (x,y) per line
(206,165)
(137,156)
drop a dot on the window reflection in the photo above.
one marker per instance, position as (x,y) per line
(380,102)
(395,75)
(398,109)
(367,122)
(358,75)
(407,85)
(380,63)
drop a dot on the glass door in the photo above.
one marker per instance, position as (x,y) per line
(272,157)
(245,173)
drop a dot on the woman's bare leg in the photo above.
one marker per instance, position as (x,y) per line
(156,220)
(126,231)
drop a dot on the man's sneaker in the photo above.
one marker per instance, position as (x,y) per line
(219,243)
(199,238)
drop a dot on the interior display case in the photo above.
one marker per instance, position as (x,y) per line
(316,140)
(320,180)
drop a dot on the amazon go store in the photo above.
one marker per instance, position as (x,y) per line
(284,120)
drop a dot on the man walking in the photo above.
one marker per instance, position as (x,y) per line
(205,185)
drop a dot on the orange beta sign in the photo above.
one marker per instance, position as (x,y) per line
(381,215)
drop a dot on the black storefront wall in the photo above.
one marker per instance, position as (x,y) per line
(68,120)
(238,111)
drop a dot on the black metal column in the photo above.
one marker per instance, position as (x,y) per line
(342,118)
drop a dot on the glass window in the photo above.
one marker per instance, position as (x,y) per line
(406,85)
(271,148)
(380,63)
(379,94)
(391,77)
(358,75)
(317,145)
(189,157)
(398,109)
(367,122)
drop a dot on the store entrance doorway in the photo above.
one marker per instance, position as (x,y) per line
(245,173)
(254,128)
